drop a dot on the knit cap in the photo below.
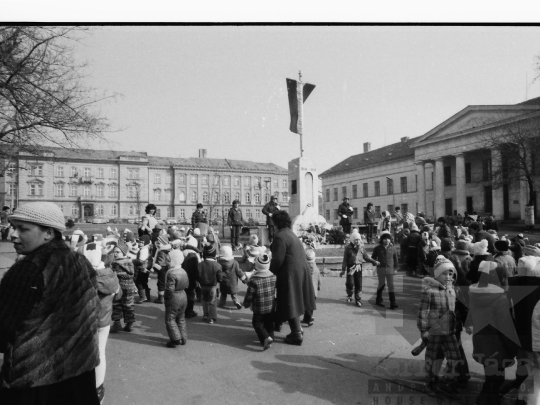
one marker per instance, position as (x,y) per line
(253,252)
(176,242)
(310,255)
(145,239)
(501,245)
(529,266)
(197,232)
(487,267)
(480,248)
(385,235)
(442,264)
(355,236)
(176,235)
(163,239)
(209,251)
(128,235)
(46,214)
(192,242)
(262,262)
(253,240)
(226,253)
(462,245)
(177,258)
(122,246)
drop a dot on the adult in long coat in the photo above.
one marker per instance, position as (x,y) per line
(294,286)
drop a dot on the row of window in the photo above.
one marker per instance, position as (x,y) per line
(226,196)
(61,189)
(99,210)
(86,172)
(389,208)
(365,189)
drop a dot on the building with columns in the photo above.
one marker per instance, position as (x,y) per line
(445,170)
(118,185)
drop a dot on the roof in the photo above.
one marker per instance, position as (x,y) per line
(396,151)
(532,101)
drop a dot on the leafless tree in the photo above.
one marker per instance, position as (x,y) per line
(43,100)
(215,199)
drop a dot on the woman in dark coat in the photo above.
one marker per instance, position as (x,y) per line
(294,286)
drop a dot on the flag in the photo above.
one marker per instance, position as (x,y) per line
(294,91)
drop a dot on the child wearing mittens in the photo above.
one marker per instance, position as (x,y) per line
(386,255)
(176,300)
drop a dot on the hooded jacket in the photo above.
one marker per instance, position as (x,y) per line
(177,281)
(107,286)
(436,313)
(524,295)
(230,273)
(354,255)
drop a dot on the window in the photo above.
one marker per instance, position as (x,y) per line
(131,210)
(354,191)
(60,171)
(113,191)
(182,179)
(87,172)
(216,196)
(216,181)
(276,183)
(157,178)
(284,183)
(448,206)
(74,210)
(285,196)
(237,195)
(193,179)
(390,208)
(276,194)
(468,177)
(226,197)
(112,174)
(377,211)
(158,213)
(73,190)
(486,170)
(365,189)
(205,196)
(100,173)
(328,215)
(403,181)
(447,175)
(389,186)
(167,195)
(182,195)
(133,174)
(257,182)
(100,210)
(12,189)
(377,188)
(182,213)
(226,180)
(86,191)
(247,181)
(355,213)
(327,195)
(257,198)
(59,190)
(113,210)
(257,213)
(335,214)
(99,190)
(335,194)
(168,178)
(193,196)
(248,213)
(74,172)
(404,208)
(157,195)
(132,191)
(248,198)
(36,170)
(343,192)
(237,180)
(170,213)
(205,180)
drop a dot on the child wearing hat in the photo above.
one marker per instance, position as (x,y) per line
(209,277)
(386,256)
(191,266)
(230,273)
(437,322)
(125,308)
(505,258)
(142,269)
(260,297)
(161,265)
(316,278)
(176,300)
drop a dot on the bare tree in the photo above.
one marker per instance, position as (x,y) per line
(43,101)
(215,199)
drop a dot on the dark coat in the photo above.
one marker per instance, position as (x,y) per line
(269,208)
(294,285)
(369,217)
(230,273)
(198,216)
(524,294)
(345,209)
(474,275)
(234,218)
(191,266)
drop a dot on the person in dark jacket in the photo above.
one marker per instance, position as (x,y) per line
(49,308)
(269,210)
(369,221)
(230,273)
(480,252)
(199,217)
(234,220)
(176,301)
(345,213)
(209,278)
(414,241)
(191,266)
(386,256)
(294,286)
(475,229)
(444,231)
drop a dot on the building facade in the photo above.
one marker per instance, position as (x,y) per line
(447,170)
(118,185)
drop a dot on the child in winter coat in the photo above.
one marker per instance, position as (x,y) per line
(437,322)
(176,300)
(260,297)
(353,258)
(191,266)
(480,252)
(142,272)
(316,278)
(209,277)
(230,273)
(161,265)
(386,256)
(494,340)
(125,308)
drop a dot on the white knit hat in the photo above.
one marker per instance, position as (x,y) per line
(529,266)
(177,258)
(442,264)
(354,236)
(93,252)
(192,242)
(46,214)
(262,262)
(253,239)
(197,232)
(226,253)
(480,248)
(487,267)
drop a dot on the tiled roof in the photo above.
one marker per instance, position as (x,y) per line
(92,154)
(532,101)
(396,151)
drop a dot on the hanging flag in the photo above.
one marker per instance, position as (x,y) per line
(298,93)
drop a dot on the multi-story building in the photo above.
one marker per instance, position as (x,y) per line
(118,185)
(448,169)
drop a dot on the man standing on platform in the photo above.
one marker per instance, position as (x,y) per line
(345,212)
(199,217)
(369,220)
(235,222)
(268,210)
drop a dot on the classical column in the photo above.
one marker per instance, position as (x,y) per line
(421,186)
(461,202)
(439,188)
(497,194)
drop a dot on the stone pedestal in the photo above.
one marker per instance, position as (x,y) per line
(302,186)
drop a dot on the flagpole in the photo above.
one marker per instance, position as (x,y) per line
(300,99)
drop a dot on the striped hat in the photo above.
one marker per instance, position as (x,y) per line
(442,264)
(163,239)
(209,251)
(46,214)
(262,262)
(122,246)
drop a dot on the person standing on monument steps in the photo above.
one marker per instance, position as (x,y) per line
(149,222)
(269,210)
(345,213)
(235,222)
(369,221)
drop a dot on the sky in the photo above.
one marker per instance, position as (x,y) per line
(223,88)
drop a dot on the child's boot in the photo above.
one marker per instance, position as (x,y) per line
(393,304)
(142,297)
(148,297)
(160,299)
(128,327)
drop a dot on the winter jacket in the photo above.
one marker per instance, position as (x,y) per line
(494,335)
(230,273)
(191,266)
(177,281)
(269,208)
(436,313)
(345,213)
(524,295)
(508,262)
(209,273)
(162,261)
(260,292)
(387,258)
(48,318)
(481,235)
(369,217)
(124,271)
(108,288)
(414,239)
(198,216)
(354,255)
(235,217)
(445,232)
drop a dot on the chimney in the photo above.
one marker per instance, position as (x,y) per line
(405,139)
(367,146)
(202,153)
